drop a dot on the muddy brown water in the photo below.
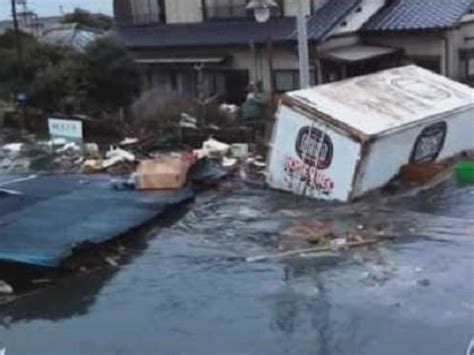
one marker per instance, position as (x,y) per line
(187,290)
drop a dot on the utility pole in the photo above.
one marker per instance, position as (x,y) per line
(20,68)
(18,44)
(303,51)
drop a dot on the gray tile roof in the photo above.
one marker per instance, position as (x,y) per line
(237,32)
(72,35)
(329,16)
(409,15)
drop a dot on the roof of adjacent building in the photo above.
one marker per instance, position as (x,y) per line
(409,15)
(71,35)
(320,26)
(387,101)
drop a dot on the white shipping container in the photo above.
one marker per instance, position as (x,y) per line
(341,140)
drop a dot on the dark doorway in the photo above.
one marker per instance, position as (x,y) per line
(236,82)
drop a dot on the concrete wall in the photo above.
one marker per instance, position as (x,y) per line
(415,45)
(445,45)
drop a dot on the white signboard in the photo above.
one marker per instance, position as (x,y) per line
(63,128)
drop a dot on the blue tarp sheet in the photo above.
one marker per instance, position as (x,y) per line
(56,213)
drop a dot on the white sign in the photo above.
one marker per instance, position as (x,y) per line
(70,129)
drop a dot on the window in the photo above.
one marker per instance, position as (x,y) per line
(232,9)
(466,57)
(470,67)
(139,12)
(289,80)
(226,9)
(286,80)
(431,63)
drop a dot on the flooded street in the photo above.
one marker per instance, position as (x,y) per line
(187,288)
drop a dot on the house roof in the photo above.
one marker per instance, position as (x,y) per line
(321,24)
(237,32)
(71,35)
(409,15)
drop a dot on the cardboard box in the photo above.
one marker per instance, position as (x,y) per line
(162,174)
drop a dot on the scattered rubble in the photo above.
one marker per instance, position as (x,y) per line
(5,289)
(424,282)
(135,163)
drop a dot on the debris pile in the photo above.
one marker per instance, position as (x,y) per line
(134,163)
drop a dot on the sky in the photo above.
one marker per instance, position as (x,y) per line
(51,7)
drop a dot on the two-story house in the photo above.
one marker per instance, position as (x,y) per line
(208,47)
(435,34)
(205,48)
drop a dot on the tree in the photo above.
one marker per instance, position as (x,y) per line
(103,78)
(57,88)
(85,18)
(111,75)
(9,79)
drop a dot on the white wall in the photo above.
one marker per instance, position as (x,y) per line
(388,154)
(286,166)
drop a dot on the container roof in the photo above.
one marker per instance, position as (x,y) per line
(386,101)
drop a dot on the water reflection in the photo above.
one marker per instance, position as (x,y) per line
(188,289)
(71,297)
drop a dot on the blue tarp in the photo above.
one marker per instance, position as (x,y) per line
(56,213)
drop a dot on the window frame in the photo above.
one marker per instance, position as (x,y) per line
(466,57)
(295,78)
(248,14)
(146,18)
(422,61)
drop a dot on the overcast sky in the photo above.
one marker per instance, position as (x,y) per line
(51,7)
